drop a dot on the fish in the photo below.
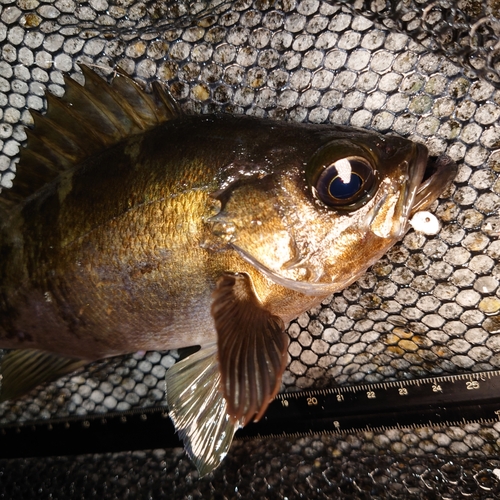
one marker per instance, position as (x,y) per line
(131,226)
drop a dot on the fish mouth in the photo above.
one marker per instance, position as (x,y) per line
(409,191)
(424,179)
(437,175)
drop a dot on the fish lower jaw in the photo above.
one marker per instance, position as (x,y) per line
(314,289)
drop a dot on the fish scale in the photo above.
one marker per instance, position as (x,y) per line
(391,367)
(219,231)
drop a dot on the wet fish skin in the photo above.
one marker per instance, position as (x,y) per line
(111,256)
(110,259)
(202,230)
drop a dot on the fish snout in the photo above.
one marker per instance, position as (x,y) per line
(439,173)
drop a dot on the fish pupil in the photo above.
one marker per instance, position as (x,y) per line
(345,190)
(345,183)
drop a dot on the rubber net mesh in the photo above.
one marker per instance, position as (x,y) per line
(425,70)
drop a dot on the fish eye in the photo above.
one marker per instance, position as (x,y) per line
(344,182)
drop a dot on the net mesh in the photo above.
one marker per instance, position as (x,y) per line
(424,70)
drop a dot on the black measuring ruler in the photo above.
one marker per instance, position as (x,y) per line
(438,401)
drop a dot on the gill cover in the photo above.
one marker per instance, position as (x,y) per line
(315,227)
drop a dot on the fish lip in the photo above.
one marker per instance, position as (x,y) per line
(438,173)
(416,173)
(413,169)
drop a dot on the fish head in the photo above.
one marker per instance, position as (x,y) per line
(315,227)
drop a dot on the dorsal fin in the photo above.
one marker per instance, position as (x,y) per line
(85,121)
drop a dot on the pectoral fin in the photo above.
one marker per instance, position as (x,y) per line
(198,408)
(251,345)
(24,369)
(213,392)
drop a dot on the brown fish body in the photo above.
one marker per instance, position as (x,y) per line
(151,231)
(118,255)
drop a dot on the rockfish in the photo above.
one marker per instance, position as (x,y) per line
(132,227)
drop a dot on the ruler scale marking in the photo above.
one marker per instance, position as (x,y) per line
(405,405)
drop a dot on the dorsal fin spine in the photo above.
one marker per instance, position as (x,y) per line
(94,82)
(100,97)
(93,113)
(86,120)
(166,98)
(53,133)
(84,135)
(37,151)
(43,148)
